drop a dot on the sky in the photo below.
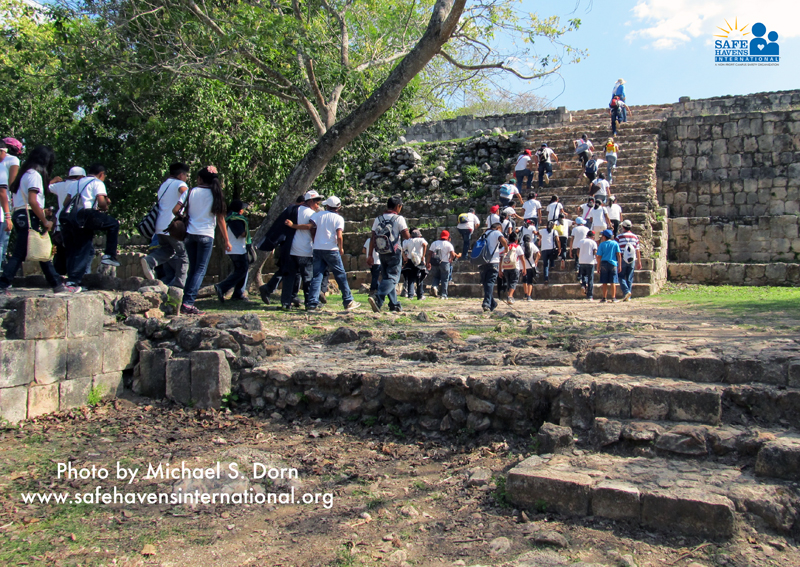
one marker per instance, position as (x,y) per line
(664,50)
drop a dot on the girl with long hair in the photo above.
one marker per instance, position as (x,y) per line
(204,205)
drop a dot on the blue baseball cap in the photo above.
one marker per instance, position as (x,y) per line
(580,220)
(607,233)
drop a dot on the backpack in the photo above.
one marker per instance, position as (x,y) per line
(629,253)
(481,255)
(591,167)
(614,102)
(510,259)
(542,155)
(385,242)
(506,191)
(463,218)
(69,214)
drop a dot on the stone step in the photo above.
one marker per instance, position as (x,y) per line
(700,498)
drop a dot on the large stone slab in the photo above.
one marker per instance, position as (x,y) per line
(85,315)
(152,379)
(613,399)
(558,491)
(41,318)
(699,404)
(109,384)
(780,459)
(74,393)
(16,363)
(689,511)
(84,357)
(42,399)
(51,361)
(179,380)
(211,378)
(119,349)
(14,403)
(616,501)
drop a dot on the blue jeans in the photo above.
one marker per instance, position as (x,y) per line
(466,234)
(626,278)
(545,168)
(611,163)
(298,268)
(20,222)
(198,248)
(391,265)
(548,261)
(586,274)
(4,236)
(237,279)
(488,281)
(521,175)
(441,277)
(324,261)
(375,278)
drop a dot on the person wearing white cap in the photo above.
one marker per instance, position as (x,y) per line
(579,232)
(63,189)
(328,246)
(301,256)
(629,245)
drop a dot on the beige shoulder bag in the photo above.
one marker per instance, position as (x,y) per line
(40,249)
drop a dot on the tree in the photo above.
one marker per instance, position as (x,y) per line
(312,53)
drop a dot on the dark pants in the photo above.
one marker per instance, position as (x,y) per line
(20,220)
(391,265)
(237,279)
(563,241)
(548,262)
(413,277)
(298,268)
(78,241)
(615,222)
(60,259)
(375,278)
(615,117)
(586,274)
(545,168)
(626,278)
(522,175)
(198,249)
(466,234)
(583,157)
(488,281)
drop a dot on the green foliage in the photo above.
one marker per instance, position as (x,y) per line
(396,431)
(229,400)
(95,395)
(370,420)
(345,557)
(760,303)
(500,494)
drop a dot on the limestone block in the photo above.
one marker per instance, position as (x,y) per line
(562,492)
(41,318)
(84,357)
(616,501)
(613,399)
(702,368)
(779,459)
(684,440)
(179,380)
(73,393)
(16,363)
(119,349)
(689,511)
(632,362)
(109,384)
(794,374)
(152,381)
(42,399)
(14,403)
(554,439)
(51,361)
(211,378)
(650,402)
(85,315)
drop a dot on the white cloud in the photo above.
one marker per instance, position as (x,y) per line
(666,24)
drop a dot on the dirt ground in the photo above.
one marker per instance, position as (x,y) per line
(398,497)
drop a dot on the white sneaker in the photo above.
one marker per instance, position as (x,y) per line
(352,305)
(627,297)
(148,271)
(109,261)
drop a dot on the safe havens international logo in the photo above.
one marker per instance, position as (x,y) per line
(739,46)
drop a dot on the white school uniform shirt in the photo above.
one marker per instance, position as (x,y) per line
(588,251)
(549,239)
(528,230)
(602,187)
(553,210)
(598,216)
(442,248)
(522,162)
(31,180)
(89,188)
(398,226)
(3,183)
(202,221)
(376,258)
(327,223)
(615,212)
(531,207)
(301,243)
(8,162)
(491,219)
(578,234)
(238,245)
(534,251)
(413,246)
(493,242)
(167,196)
(472,222)
(62,190)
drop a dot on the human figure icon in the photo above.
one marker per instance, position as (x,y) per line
(772,48)
(758,45)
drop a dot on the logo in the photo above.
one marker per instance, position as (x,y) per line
(740,47)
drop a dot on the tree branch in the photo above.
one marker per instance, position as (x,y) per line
(499,66)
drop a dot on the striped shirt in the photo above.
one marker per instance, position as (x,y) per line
(628,253)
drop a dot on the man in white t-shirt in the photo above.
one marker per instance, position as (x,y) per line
(301,255)
(615,214)
(507,193)
(328,246)
(493,216)
(523,170)
(543,159)
(375,269)
(533,209)
(415,251)
(441,255)
(63,191)
(579,232)
(599,218)
(467,223)
(86,214)
(600,188)
(170,251)
(388,232)
(498,246)
(587,251)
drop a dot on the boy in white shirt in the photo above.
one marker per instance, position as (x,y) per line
(440,258)
(238,228)
(615,214)
(511,266)
(587,259)
(374,270)
(467,223)
(388,232)
(579,232)
(533,209)
(328,247)
(415,251)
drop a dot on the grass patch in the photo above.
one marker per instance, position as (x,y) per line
(738,301)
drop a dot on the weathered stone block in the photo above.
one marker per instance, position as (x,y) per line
(84,357)
(42,399)
(613,399)
(211,378)
(109,384)
(478,405)
(16,363)
(563,492)
(695,404)
(684,440)
(152,379)
(85,315)
(779,459)
(616,501)
(405,388)
(14,403)
(688,511)
(119,349)
(605,431)
(73,393)
(632,362)
(51,361)
(554,439)
(794,374)
(41,318)
(650,402)
(702,368)
(669,364)
(179,380)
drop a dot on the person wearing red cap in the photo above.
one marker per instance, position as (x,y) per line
(494,216)
(440,260)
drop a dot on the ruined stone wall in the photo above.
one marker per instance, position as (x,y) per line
(733,104)
(54,351)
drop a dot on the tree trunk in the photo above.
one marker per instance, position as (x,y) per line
(444,18)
